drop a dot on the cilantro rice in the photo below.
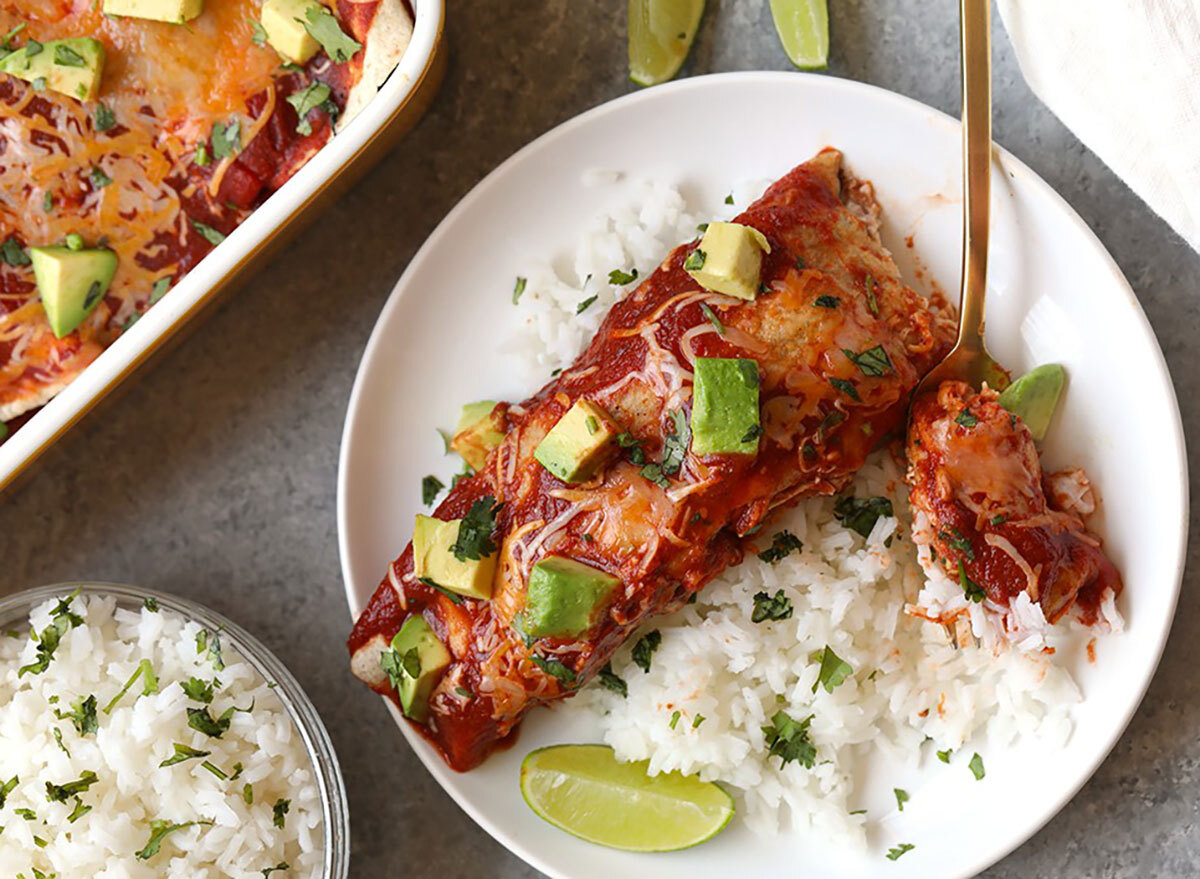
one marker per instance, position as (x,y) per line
(84,791)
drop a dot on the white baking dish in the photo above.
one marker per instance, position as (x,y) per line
(400,102)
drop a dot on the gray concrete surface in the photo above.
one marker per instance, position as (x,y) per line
(214,478)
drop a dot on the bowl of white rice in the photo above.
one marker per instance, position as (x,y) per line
(146,736)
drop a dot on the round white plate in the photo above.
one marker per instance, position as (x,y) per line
(1055,295)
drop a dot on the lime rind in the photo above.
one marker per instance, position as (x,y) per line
(585,791)
(661,33)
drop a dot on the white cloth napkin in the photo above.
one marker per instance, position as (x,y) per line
(1124,76)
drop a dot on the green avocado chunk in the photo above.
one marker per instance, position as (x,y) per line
(728,259)
(578,444)
(434,559)
(422,658)
(1034,396)
(170,11)
(565,597)
(283,20)
(478,432)
(725,417)
(72,66)
(71,283)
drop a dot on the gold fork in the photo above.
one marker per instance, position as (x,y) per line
(969,360)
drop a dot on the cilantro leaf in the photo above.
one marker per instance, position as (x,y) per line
(324,28)
(966,419)
(554,668)
(208,233)
(954,538)
(258,33)
(695,260)
(227,139)
(198,690)
(619,278)
(159,830)
(312,97)
(944,756)
(99,178)
(454,597)
(611,681)
(280,867)
(585,304)
(474,540)
(182,753)
(834,671)
(676,444)
(783,544)
(149,683)
(518,289)
(846,387)
(788,740)
(78,812)
(279,812)
(200,720)
(712,318)
(901,797)
(976,767)
(973,591)
(675,715)
(83,715)
(872,302)
(430,487)
(65,56)
(771,607)
(895,853)
(643,650)
(104,118)
(873,362)
(827,301)
(12,253)
(7,788)
(60,793)
(860,514)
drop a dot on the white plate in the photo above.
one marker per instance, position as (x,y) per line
(1055,295)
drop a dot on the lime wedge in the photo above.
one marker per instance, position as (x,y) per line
(660,35)
(584,790)
(803,28)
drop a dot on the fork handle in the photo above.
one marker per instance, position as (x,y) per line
(975,18)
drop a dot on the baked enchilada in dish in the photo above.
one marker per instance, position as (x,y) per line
(136,134)
(761,364)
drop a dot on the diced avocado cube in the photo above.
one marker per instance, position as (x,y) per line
(725,417)
(71,283)
(1034,396)
(478,432)
(729,259)
(283,20)
(565,597)
(170,11)
(422,659)
(434,559)
(72,67)
(577,446)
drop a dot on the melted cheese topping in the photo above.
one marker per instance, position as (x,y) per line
(166,86)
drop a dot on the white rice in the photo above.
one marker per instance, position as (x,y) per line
(132,789)
(908,683)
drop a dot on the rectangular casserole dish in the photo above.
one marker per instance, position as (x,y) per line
(400,102)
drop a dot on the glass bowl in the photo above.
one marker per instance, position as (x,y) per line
(14,615)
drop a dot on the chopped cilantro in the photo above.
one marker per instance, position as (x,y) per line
(149,683)
(712,317)
(675,715)
(104,118)
(827,301)
(60,793)
(430,486)
(976,767)
(518,289)
(846,387)
(901,797)
(12,253)
(227,139)
(58,740)
(48,640)
(800,265)
(783,545)
(695,260)
(209,643)
(48,201)
(643,650)
(324,28)
(258,34)
(99,178)
(973,591)
(895,853)
(182,753)
(954,538)
(464,692)
(454,597)
(944,756)
(861,514)
(78,812)
(198,690)
(151,604)
(611,681)
(555,669)
(65,56)
(248,794)
(729,198)
(201,155)
(200,720)
(834,671)
(635,453)
(753,432)
(159,830)
(966,419)
(475,531)
(697,720)
(619,278)
(7,788)
(83,715)
(280,867)
(208,233)
(311,98)
(872,302)
(279,812)
(998,520)
(768,607)
(873,362)
(398,666)
(788,740)
(585,305)
(215,770)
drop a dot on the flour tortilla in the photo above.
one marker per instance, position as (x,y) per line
(386,41)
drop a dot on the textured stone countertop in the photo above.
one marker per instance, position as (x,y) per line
(215,476)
